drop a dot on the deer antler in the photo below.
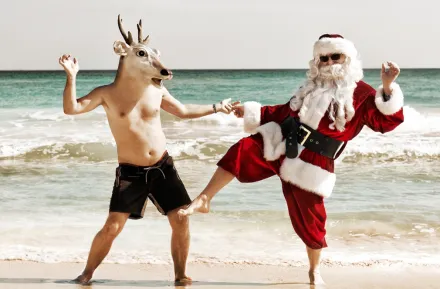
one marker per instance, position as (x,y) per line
(140,40)
(128,39)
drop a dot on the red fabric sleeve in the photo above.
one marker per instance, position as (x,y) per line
(376,120)
(276,113)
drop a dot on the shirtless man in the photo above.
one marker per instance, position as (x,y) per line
(132,104)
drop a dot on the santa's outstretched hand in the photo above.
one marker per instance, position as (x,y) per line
(238,110)
(389,75)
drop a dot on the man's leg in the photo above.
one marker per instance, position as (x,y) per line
(102,243)
(180,239)
(308,216)
(202,202)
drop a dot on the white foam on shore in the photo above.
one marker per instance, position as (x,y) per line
(331,259)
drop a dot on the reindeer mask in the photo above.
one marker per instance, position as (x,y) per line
(138,59)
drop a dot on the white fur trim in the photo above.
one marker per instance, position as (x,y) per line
(252,116)
(274,146)
(308,176)
(394,104)
(328,45)
(304,175)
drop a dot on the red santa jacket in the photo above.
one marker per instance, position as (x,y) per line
(312,171)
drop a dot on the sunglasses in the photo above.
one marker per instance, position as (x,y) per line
(334,57)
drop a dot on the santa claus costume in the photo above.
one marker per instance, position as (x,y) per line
(299,140)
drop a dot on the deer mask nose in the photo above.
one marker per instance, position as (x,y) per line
(165,72)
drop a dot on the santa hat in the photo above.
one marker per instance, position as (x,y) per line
(334,43)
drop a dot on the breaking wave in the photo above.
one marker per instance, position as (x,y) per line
(194,149)
(52,135)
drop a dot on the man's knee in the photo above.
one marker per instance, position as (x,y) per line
(178,223)
(111,230)
(114,225)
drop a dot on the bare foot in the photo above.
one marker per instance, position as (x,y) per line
(200,204)
(83,279)
(315,278)
(183,281)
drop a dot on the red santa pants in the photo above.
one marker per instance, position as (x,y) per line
(246,162)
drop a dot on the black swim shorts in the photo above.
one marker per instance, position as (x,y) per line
(160,183)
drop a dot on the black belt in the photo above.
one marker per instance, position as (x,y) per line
(298,133)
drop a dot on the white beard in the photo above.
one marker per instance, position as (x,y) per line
(331,72)
(329,88)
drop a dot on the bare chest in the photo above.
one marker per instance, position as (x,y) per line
(144,106)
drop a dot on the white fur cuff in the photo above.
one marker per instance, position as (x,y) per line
(308,177)
(252,116)
(394,104)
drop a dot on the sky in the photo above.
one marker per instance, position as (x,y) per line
(221,34)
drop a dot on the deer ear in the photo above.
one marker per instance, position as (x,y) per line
(121,48)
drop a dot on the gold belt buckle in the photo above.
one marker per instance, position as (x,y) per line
(307,136)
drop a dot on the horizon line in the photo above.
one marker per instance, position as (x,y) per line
(201,69)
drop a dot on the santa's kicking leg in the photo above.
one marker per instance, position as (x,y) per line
(244,161)
(308,217)
(202,203)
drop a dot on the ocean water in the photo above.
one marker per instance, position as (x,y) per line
(57,172)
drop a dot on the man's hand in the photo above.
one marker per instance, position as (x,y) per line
(239,111)
(226,106)
(70,65)
(389,76)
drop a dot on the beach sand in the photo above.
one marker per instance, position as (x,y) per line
(17,274)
